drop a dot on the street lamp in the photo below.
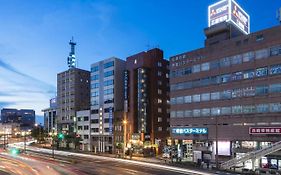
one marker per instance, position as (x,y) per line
(125,122)
(53,134)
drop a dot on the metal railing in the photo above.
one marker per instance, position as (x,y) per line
(252,155)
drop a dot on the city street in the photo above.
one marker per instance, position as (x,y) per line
(77,163)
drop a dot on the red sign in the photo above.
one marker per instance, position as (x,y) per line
(265,130)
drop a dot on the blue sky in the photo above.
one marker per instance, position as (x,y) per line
(34,37)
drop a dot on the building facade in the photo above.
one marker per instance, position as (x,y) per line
(147,99)
(107,91)
(229,92)
(50,116)
(73,93)
(24,117)
(83,129)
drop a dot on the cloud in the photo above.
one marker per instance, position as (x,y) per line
(4,104)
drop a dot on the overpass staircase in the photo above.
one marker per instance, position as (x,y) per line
(252,155)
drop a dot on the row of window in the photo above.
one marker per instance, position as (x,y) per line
(95,101)
(228,110)
(225,78)
(106,110)
(228,94)
(105,65)
(228,61)
(105,92)
(106,74)
(105,83)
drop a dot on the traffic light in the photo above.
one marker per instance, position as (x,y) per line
(60,136)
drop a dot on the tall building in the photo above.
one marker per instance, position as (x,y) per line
(24,117)
(228,91)
(50,116)
(107,82)
(73,94)
(147,99)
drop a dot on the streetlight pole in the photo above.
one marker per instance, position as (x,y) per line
(217,149)
(24,141)
(125,136)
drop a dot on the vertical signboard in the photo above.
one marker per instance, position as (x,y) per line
(229,11)
(240,18)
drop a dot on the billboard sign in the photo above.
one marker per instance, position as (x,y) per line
(218,12)
(229,11)
(264,130)
(186,131)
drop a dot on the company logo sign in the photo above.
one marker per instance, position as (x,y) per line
(184,131)
(229,11)
(265,130)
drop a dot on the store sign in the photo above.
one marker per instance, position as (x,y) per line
(183,131)
(229,10)
(265,130)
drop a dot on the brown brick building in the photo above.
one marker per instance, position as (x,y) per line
(234,81)
(147,97)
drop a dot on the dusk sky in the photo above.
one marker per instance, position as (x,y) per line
(34,37)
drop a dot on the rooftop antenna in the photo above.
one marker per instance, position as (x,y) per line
(278,15)
(71,60)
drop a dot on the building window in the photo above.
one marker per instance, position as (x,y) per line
(159,101)
(237,76)
(159,110)
(179,100)
(159,91)
(108,73)
(159,73)
(108,91)
(95,77)
(215,111)
(275,69)
(247,109)
(95,129)
(226,94)
(86,127)
(225,78)
(159,128)
(179,114)
(249,91)
(188,113)
(275,50)
(196,98)
(215,79)
(263,53)
(275,88)
(236,93)
(108,82)
(249,56)
(205,112)
(275,107)
(159,119)
(215,64)
(95,94)
(237,59)
(225,62)
(262,108)
(80,128)
(196,68)
(159,64)
(205,97)
(249,74)
(226,110)
(173,101)
(106,120)
(187,99)
(215,95)
(95,69)
(173,114)
(237,109)
(260,72)
(86,137)
(196,112)
(205,66)
(86,118)
(95,85)
(261,90)
(109,64)
(259,37)
(94,121)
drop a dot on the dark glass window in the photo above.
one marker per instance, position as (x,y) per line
(109,64)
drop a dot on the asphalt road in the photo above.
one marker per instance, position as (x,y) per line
(34,164)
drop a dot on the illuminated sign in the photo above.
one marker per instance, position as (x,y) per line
(265,130)
(229,11)
(184,131)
